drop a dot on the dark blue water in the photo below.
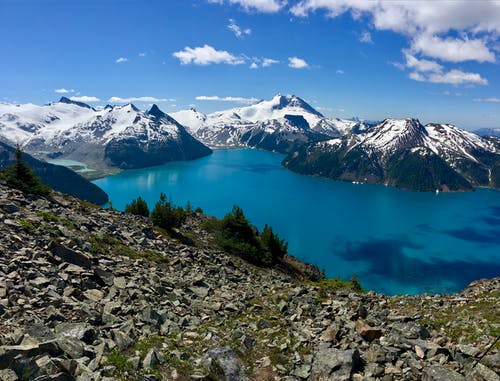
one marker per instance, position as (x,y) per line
(395,241)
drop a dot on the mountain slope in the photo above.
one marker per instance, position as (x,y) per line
(278,124)
(406,154)
(57,177)
(113,137)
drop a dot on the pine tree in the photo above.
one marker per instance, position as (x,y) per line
(138,207)
(21,176)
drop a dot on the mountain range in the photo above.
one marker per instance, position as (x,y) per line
(111,138)
(280,124)
(399,152)
(406,154)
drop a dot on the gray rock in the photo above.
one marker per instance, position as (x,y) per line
(153,358)
(335,364)
(10,208)
(440,373)
(224,364)
(8,375)
(70,256)
(482,373)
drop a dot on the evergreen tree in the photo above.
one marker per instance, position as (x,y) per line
(165,215)
(21,176)
(138,206)
(276,246)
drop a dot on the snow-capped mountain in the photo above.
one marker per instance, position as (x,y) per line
(488,132)
(278,124)
(404,153)
(115,136)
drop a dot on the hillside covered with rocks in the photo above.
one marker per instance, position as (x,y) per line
(93,294)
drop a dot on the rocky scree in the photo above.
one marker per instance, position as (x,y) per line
(94,294)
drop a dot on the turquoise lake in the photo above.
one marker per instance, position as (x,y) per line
(396,242)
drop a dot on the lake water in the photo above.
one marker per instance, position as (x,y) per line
(396,242)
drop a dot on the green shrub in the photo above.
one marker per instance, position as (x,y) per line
(138,206)
(166,215)
(276,246)
(237,236)
(20,176)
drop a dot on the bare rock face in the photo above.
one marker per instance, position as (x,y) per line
(94,294)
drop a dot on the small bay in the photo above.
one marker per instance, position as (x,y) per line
(394,241)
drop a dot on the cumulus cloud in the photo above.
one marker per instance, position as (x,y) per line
(254,65)
(266,6)
(430,71)
(297,63)
(452,77)
(121,59)
(206,55)
(64,91)
(421,64)
(491,100)
(426,23)
(266,62)
(366,37)
(241,100)
(85,98)
(453,49)
(236,29)
(139,99)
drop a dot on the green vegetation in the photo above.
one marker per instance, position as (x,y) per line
(138,206)
(237,236)
(103,244)
(423,173)
(328,286)
(166,215)
(20,176)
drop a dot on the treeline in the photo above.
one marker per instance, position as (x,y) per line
(233,233)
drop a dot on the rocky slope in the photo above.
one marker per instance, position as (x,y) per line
(406,154)
(94,294)
(109,138)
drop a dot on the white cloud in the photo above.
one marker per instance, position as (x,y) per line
(366,37)
(421,64)
(340,71)
(452,77)
(430,71)
(206,55)
(426,23)
(254,65)
(139,99)
(85,98)
(492,100)
(235,28)
(266,62)
(121,60)
(64,91)
(241,100)
(266,6)
(453,49)
(297,63)
(142,54)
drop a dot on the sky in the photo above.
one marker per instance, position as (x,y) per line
(434,60)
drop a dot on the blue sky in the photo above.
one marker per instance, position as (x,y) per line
(435,60)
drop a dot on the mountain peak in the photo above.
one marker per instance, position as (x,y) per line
(69,101)
(156,112)
(290,100)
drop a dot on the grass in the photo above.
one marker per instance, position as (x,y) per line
(477,320)
(103,244)
(327,287)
